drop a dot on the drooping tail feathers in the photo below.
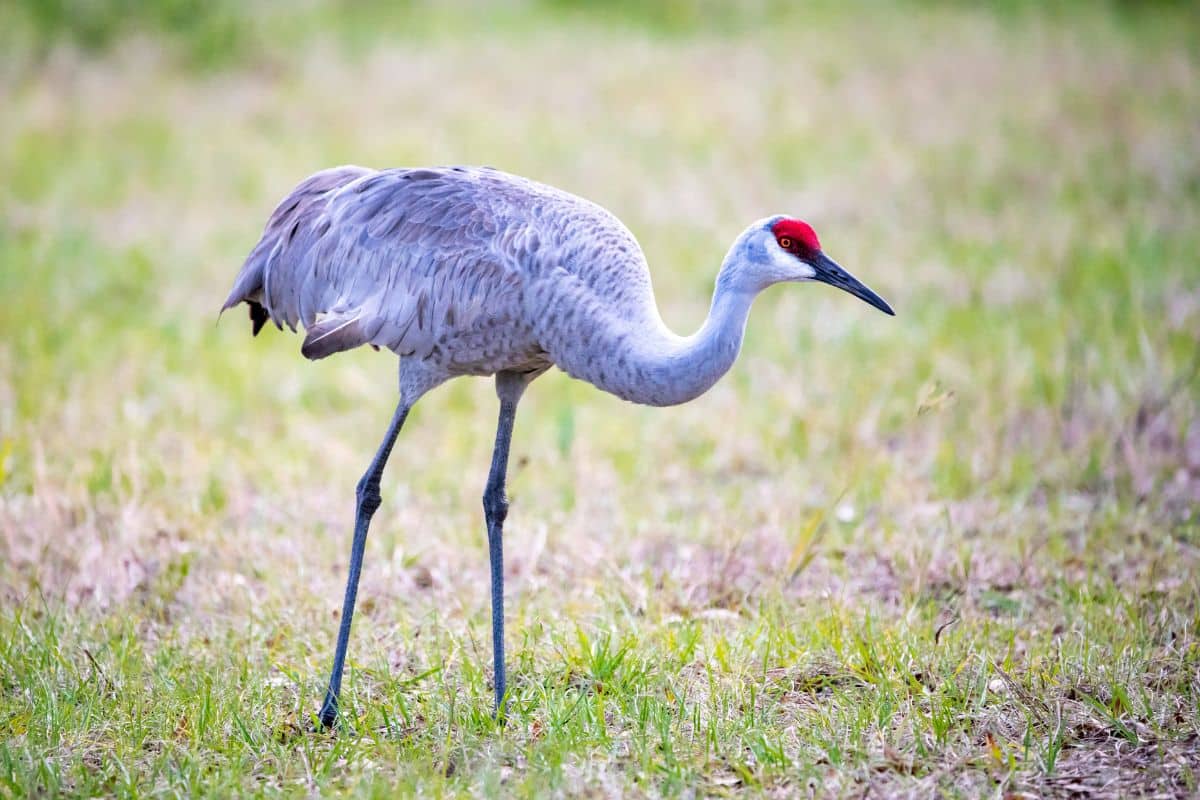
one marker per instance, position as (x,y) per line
(303,206)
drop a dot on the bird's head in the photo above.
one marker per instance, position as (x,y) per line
(779,249)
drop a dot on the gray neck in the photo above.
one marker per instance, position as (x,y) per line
(668,369)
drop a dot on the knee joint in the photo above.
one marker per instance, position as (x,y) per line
(368,495)
(495,505)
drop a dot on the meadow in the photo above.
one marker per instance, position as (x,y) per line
(952,553)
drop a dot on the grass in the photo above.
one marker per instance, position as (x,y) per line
(951,553)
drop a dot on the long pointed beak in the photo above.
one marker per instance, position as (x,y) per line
(829,272)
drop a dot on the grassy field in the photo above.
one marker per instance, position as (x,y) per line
(952,553)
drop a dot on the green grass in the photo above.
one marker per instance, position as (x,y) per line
(952,553)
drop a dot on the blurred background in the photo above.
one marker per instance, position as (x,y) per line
(1021,182)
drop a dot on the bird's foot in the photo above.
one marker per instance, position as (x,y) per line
(327,718)
(500,712)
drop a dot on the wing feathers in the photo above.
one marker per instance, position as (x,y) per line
(397,258)
(332,335)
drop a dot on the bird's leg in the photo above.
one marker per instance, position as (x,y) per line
(495,509)
(368,502)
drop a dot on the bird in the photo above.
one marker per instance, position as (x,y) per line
(472,271)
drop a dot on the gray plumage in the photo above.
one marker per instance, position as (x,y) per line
(467,270)
(472,271)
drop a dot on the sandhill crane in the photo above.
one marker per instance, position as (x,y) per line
(472,271)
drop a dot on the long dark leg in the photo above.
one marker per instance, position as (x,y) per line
(495,509)
(368,502)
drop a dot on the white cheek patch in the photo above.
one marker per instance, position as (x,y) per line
(790,266)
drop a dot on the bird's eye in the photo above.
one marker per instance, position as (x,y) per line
(785,243)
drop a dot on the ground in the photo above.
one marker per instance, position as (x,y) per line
(953,552)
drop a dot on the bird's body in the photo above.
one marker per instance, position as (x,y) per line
(472,271)
(460,271)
